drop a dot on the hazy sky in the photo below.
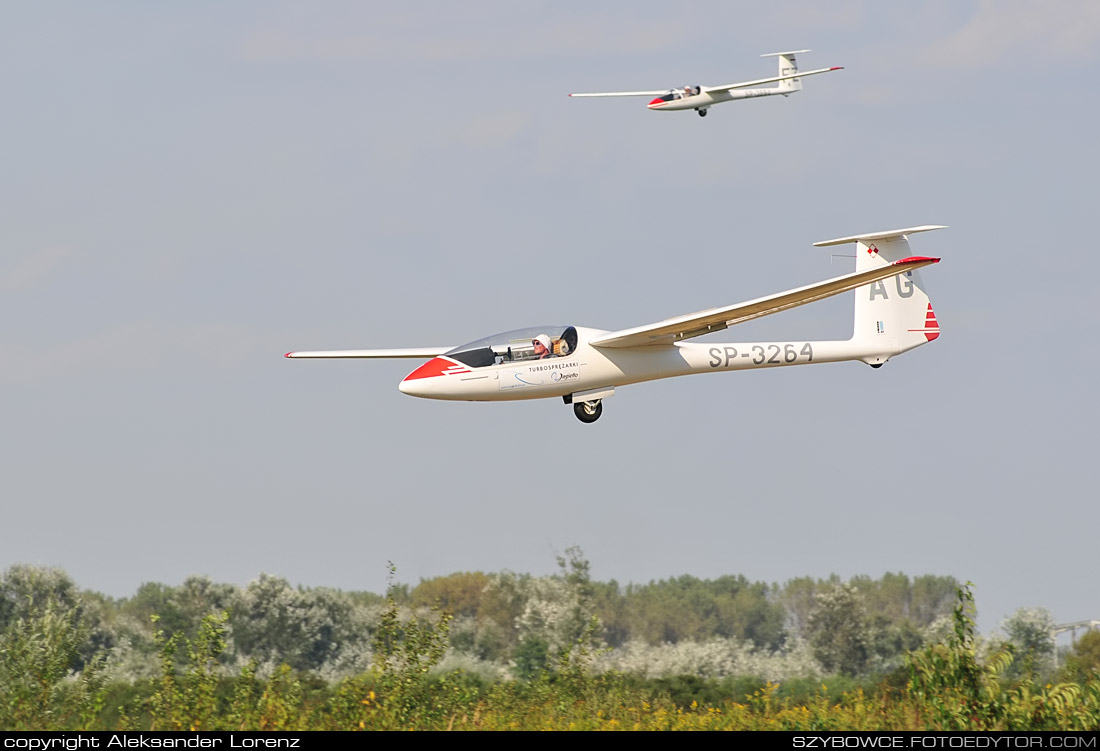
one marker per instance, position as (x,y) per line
(192,189)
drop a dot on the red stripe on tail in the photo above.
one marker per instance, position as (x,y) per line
(931,328)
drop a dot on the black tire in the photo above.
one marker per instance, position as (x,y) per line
(702,113)
(588,411)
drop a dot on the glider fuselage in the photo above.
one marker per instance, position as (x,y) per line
(709,98)
(587,368)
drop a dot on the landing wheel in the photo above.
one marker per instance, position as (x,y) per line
(588,411)
(876,364)
(702,113)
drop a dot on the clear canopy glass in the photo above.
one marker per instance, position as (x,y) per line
(516,346)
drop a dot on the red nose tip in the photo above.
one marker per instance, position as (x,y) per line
(657,102)
(432,368)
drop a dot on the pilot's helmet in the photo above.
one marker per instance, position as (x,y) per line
(542,339)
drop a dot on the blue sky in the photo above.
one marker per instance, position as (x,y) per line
(193,189)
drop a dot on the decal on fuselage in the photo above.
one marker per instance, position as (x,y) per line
(545,373)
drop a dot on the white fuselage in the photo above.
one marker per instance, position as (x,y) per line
(592,368)
(710,98)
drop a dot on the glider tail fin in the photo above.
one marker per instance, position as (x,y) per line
(892,315)
(788,66)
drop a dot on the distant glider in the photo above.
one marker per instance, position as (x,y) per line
(699,98)
(584,366)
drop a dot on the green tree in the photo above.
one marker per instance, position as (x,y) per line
(39,650)
(25,589)
(889,642)
(1083,660)
(1030,631)
(461,593)
(690,609)
(576,572)
(180,609)
(276,623)
(839,631)
(957,690)
(532,658)
(798,596)
(931,597)
(405,650)
(189,701)
(502,604)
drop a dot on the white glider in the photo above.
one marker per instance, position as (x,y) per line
(584,366)
(699,98)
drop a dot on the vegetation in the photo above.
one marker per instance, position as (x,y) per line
(507,651)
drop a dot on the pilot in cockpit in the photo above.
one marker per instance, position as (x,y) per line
(541,343)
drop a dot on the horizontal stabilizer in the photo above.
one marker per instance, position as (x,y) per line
(417,352)
(792,52)
(887,235)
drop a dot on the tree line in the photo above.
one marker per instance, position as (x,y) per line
(63,658)
(508,625)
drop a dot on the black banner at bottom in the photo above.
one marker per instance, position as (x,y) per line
(223,740)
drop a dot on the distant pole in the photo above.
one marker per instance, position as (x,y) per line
(1072,628)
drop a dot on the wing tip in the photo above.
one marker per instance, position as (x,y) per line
(289,354)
